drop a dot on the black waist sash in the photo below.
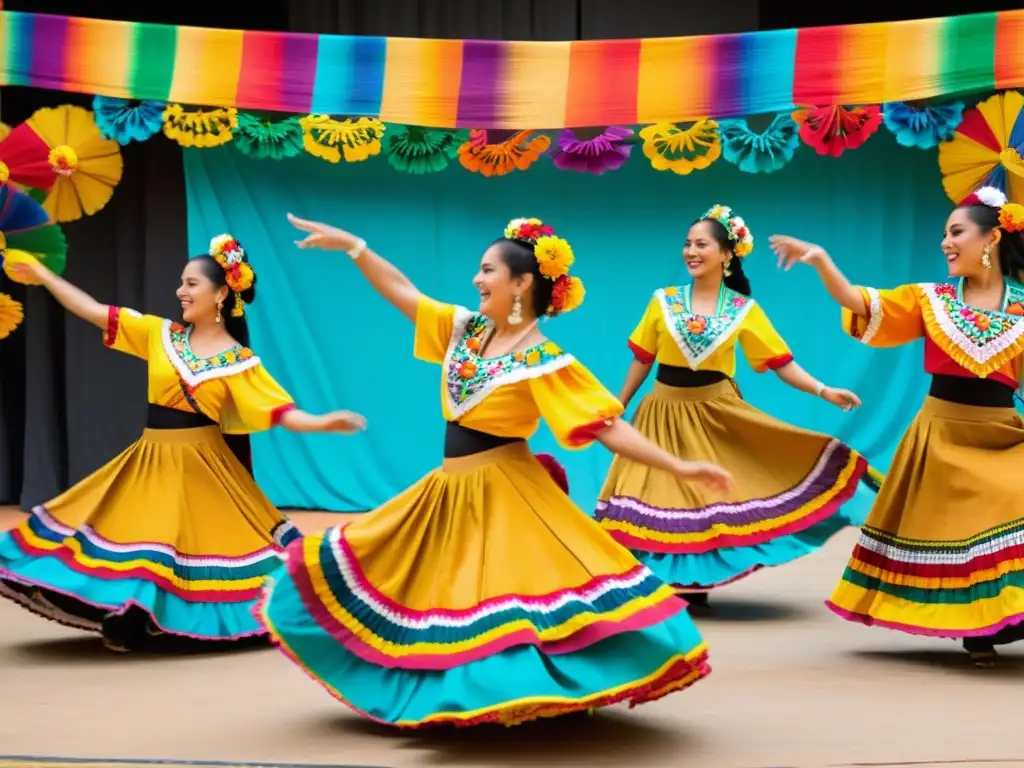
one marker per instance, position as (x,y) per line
(964,391)
(676,376)
(162,417)
(463,441)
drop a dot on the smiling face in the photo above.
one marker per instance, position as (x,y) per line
(703,253)
(497,285)
(197,293)
(964,244)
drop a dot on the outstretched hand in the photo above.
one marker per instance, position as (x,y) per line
(322,236)
(709,475)
(344,422)
(841,398)
(791,250)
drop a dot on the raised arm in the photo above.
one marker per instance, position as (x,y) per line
(635,378)
(791,251)
(384,276)
(73,299)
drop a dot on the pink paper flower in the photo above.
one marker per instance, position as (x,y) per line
(605,152)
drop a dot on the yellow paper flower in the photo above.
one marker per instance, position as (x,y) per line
(11,315)
(1011,217)
(332,140)
(554,256)
(682,150)
(200,128)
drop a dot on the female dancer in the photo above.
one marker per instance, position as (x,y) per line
(942,552)
(482,593)
(790,483)
(172,538)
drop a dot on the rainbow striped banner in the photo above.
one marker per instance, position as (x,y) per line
(517,85)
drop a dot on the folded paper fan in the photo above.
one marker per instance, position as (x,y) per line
(86,165)
(682,150)
(267,139)
(754,152)
(833,130)
(26,227)
(481,154)
(128,120)
(25,159)
(605,150)
(11,315)
(922,127)
(335,140)
(417,150)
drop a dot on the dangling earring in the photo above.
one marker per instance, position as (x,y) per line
(516,317)
(727,268)
(986,257)
(220,309)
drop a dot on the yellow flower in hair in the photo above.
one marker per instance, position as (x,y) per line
(240,277)
(1011,217)
(554,256)
(568,295)
(743,248)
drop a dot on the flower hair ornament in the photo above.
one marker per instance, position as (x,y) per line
(227,252)
(738,230)
(1011,215)
(554,257)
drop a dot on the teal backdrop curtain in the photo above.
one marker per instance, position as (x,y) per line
(333,343)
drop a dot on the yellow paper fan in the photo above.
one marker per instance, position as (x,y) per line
(11,315)
(13,257)
(87,165)
(202,128)
(331,140)
(5,131)
(682,150)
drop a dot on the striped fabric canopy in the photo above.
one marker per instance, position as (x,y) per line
(519,85)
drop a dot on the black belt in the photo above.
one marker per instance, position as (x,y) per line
(463,441)
(964,391)
(162,417)
(677,376)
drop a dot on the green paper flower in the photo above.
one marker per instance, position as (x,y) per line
(268,139)
(412,149)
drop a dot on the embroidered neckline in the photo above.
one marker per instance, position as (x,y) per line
(193,369)
(470,378)
(1012,302)
(699,336)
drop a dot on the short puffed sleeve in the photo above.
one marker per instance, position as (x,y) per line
(130,332)
(643,341)
(435,322)
(257,402)
(574,404)
(762,345)
(893,318)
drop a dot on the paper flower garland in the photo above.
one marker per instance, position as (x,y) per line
(127,120)
(764,152)
(268,139)
(682,150)
(985,150)
(833,130)
(412,149)
(922,127)
(11,315)
(333,140)
(516,153)
(607,151)
(200,127)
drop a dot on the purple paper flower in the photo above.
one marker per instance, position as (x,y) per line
(605,152)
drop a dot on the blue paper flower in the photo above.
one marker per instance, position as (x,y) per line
(922,127)
(127,120)
(754,152)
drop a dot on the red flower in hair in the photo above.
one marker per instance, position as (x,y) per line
(535,231)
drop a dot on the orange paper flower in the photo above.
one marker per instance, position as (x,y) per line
(516,153)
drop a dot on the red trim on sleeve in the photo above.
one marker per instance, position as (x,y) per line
(113,320)
(278,413)
(588,432)
(640,353)
(778,362)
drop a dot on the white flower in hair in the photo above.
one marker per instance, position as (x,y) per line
(737,222)
(991,196)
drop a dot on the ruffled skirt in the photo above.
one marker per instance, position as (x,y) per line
(480,594)
(172,537)
(942,552)
(790,488)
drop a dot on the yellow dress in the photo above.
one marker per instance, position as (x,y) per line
(942,552)
(482,593)
(787,501)
(173,534)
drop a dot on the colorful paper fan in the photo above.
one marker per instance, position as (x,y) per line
(11,315)
(517,152)
(682,150)
(267,139)
(608,150)
(764,152)
(985,150)
(412,149)
(333,140)
(128,120)
(203,128)
(25,226)
(922,127)
(833,130)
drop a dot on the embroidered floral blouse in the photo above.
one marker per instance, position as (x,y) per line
(959,340)
(509,394)
(232,388)
(671,333)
